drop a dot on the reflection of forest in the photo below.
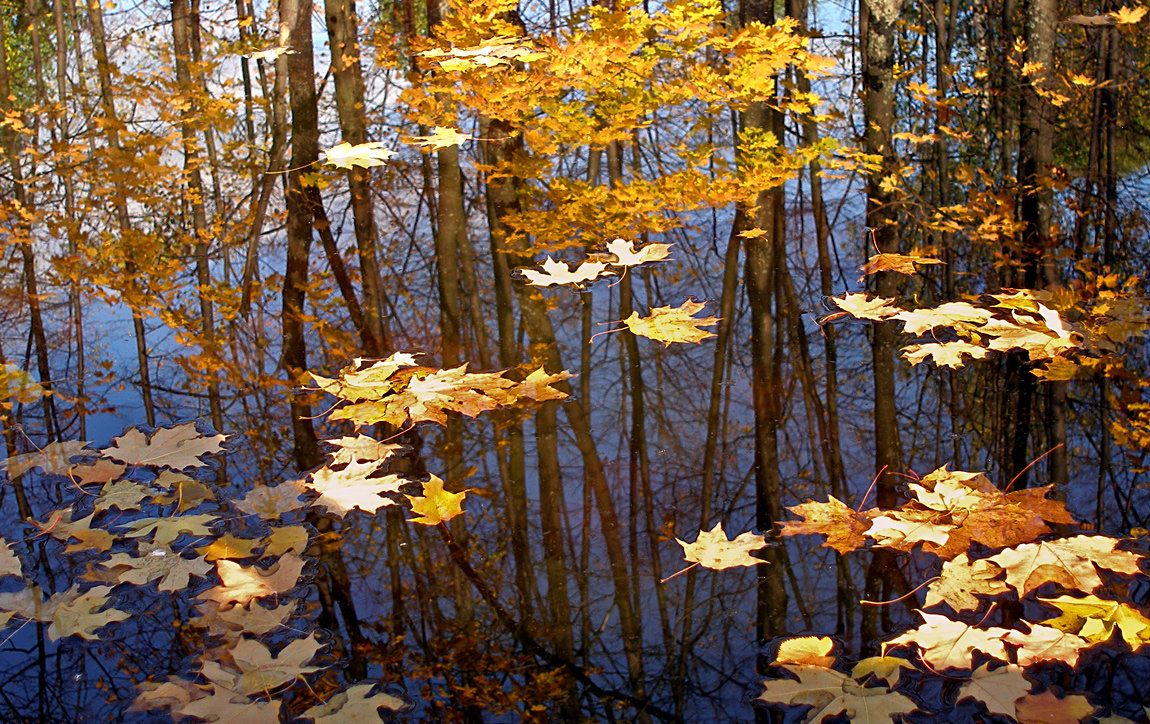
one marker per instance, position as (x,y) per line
(184,241)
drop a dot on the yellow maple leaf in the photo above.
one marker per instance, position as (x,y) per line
(672,324)
(807,651)
(436,504)
(365,155)
(713,550)
(1128,16)
(441,137)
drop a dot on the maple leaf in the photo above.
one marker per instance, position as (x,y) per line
(81,614)
(256,670)
(959,316)
(53,459)
(430,394)
(806,650)
(9,561)
(1128,16)
(436,505)
(1069,562)
(858,306)
(101,471)
(625,254)
(226,706)
(1045,643)
(678,324)
(537,385)
(831,693)
(344,490)
(166,530)
(1048,708)
(947,644)
(355,705)
(899,263)
(229,546)
(370,383)
(270,53)
(997,689)
(187,495)
(27,602)
(441,137)
(154,562)
(122,494)
(174,692)
(174,447)
(557,272)
(960,580)
(231,621)
(284,539)
(711,549)
(242,584)
(272,501)
(361,448)
(944,354)
(364,155)
(887,668)
(61,525)
(902,529)
(843,527)
(1095,619)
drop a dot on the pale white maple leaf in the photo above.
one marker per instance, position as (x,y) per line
(364,155)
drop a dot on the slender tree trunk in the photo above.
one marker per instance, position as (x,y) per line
(295,19)
(132,294)
(760,277)
(502,199)
(342,26)
(23,233)
(878,17)
(200,228)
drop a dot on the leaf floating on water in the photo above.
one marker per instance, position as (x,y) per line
(673,324)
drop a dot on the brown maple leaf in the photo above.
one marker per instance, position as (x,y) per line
(898,263)
(673,324)
(176,447)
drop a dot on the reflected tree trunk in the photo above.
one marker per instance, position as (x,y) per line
(877,30)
